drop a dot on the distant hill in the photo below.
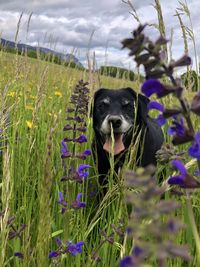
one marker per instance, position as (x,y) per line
(46,51)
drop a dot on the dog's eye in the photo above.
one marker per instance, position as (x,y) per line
(104,104)
(126,103)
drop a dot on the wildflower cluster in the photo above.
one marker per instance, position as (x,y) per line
(14,232)
(150,218)
(75,128)
(152,56)
(66,247)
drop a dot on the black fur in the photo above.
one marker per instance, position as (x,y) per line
(122,102)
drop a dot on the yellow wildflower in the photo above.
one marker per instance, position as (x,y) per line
(11,94)
(29,124)
(29,107)
(58,93)
(32,97)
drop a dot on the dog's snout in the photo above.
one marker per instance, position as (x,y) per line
(116,121)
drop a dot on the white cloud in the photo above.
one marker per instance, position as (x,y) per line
(68,25)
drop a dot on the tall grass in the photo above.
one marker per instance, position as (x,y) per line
(34,97)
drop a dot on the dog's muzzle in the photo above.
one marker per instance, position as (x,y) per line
(117,125)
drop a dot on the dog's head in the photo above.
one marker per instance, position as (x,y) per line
(114,111)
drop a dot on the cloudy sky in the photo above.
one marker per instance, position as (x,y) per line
(74,25)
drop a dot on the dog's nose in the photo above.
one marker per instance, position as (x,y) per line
(116,121)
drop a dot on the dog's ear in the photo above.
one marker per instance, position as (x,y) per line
(143,101)
(96,95)
(131,91)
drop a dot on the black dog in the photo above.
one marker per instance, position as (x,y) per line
(113,114)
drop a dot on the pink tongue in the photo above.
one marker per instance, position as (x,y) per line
(118,145)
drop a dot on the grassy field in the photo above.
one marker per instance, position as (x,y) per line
(33,103)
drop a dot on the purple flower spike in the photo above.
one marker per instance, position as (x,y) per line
(194,150)
(53,254)
(75,249)
(77,204)
(152,86)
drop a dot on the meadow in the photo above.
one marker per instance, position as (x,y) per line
(42,222)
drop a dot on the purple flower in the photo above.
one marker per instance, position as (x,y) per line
(184,180)
(84,154)
(160,120)
(87,153)
(178,179)
(177,128)
(137,251)
(152,86)
(195,106)
(194,150)
(74,249)
(196,172)
(81,139)
(62,202)
(180,134)
(53,254)
(127,262)
(82,170)
(155,105)
(77,204)
(19,255)
(64,151)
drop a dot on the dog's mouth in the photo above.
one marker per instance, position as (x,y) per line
(114,145)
